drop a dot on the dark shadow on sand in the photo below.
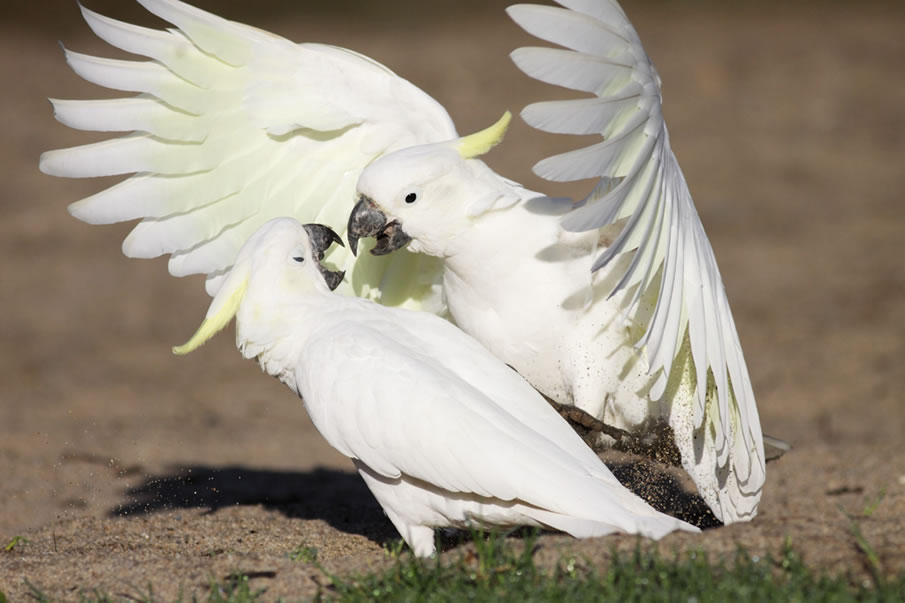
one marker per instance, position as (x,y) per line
(342,500)
(338,497)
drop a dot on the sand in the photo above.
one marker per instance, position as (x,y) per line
(124,466)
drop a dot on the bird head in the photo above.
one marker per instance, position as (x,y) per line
(427,194)
(282,258)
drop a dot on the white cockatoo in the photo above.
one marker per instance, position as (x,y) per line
(443,432)
(614,304)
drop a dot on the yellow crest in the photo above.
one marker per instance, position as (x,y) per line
(217,317)
(477,144)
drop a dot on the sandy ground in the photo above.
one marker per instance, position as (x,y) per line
(125,466)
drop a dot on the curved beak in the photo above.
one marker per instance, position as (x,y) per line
(367,220)
(322,237)
(332,277)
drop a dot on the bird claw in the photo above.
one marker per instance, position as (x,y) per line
(657,444)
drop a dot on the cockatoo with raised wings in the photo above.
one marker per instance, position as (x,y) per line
(443,432)
(613,304)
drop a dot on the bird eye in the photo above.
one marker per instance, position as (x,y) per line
(299,259)
(411,198)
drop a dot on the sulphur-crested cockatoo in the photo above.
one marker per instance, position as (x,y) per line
(614,304)
(443,432)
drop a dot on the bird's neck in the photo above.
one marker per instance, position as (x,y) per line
(273,330)
(514,231)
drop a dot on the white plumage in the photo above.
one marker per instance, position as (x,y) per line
(615,304)
(235,126)
(649,338)
(443,433)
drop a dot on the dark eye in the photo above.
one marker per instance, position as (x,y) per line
(299,259)
(411,198)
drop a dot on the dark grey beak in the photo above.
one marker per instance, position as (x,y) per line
(332,277)
(322,237)
(366,220)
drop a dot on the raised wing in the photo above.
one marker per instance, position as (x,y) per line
(641,183)
(234,126)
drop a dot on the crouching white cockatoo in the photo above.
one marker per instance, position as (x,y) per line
(443,433)
(614,304)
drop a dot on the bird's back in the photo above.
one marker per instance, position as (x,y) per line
(424,406)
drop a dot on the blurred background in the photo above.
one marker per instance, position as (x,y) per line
(788,119)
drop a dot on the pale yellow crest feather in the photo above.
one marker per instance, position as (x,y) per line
(479,143)
(213,324)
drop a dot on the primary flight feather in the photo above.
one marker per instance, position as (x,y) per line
(443,433)
(614,304)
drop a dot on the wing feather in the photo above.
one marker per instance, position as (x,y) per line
(211,34)
(573,70)
(422,415)
(129,154)
(234,126)
(568,28)
(155,237)
(585,116)
(148,115)
(139,76)
(172,50)
(603,158)
(673,261)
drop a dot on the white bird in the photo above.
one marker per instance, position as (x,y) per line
(614,304)
(443,433)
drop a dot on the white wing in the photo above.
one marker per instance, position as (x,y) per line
(384,397)
(673,263)
(234,126)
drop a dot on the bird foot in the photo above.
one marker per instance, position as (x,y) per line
(657,443)
(588,426)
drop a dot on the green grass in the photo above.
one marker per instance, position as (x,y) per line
(16,541)
(234,590)
(496,569)
(501,572)
(872,561)
(306,554)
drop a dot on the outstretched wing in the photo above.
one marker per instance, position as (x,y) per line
(234,126)
(673,263)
